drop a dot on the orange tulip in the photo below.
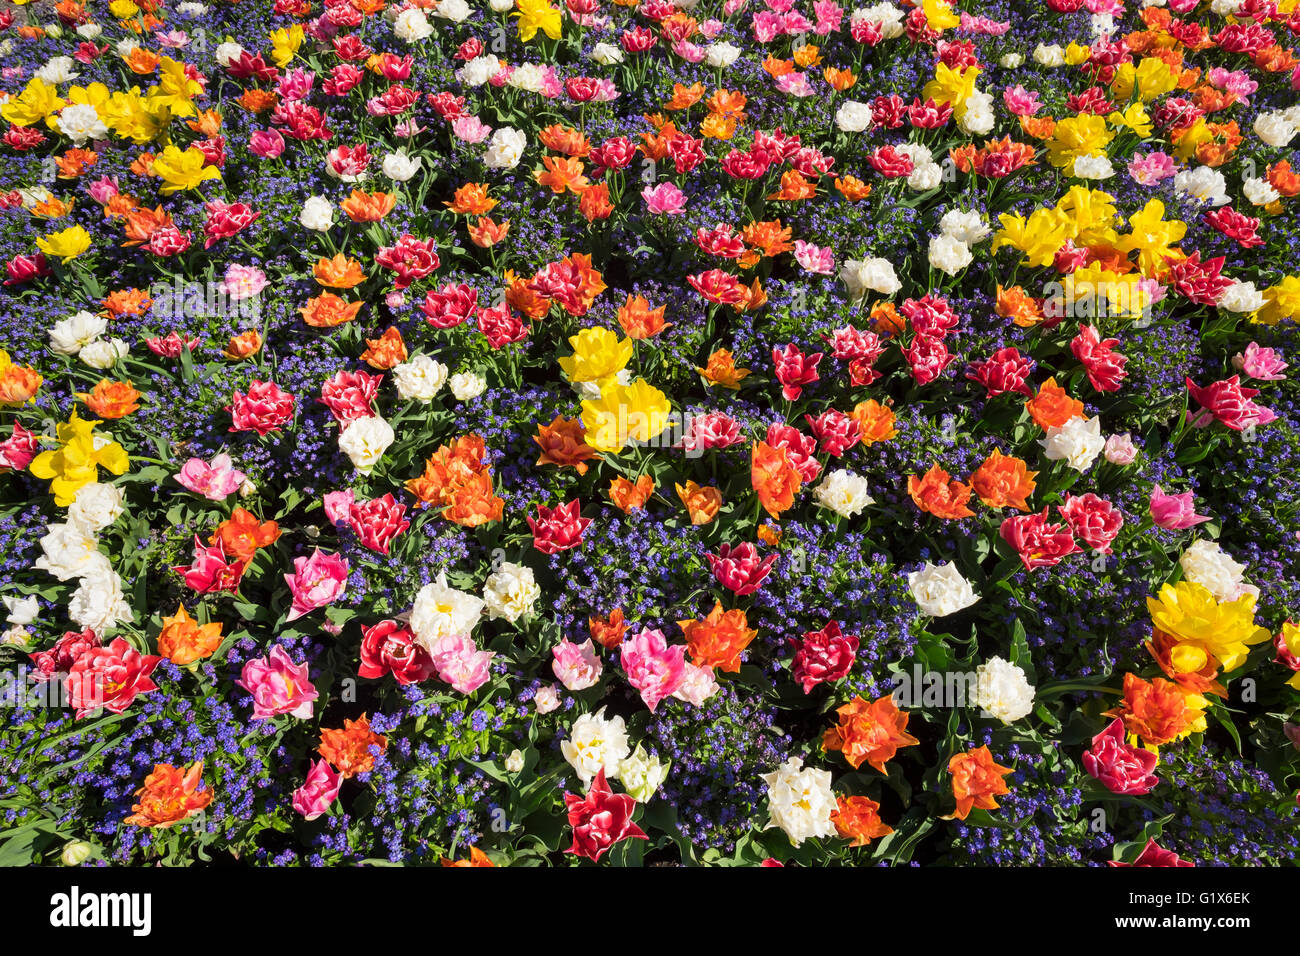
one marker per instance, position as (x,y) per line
(169,796)
(257,101)
(52,208)
(241,535)
(976,780)
(74,162)
(1018,306)
(523,299)
(852,188)
(807,55)
(684,97)
(362,206)
(244,345)
(594,202)
(476,856)
(702,502)
(794,186)
(566,140)
(1003,481)
(936,494)
(609,631)
(458,481)
(839,80)
(858,819)
(142,61)
(109,399)
(729,104)
(208,123)
(127,302)
(327,310)
(472,199)
(143,223)
(184,641)
(18,384)
(340,272)
(348,749)
(387,351)
(721,370)
(485,233)
(769,237)
(776,67)
(718,639)
(1281,178)
(715,126)
(562,173)
(886,320)
(1052,407)
(655,145)
(875,422)
(562,445)
(1159,711)
(774,477)
(869,732)
(639,321)
(628,497)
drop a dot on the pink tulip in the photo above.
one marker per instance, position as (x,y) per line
(655,668)
(1152,168)
(576,665)
(338,505)
(316,581)
(1020,101)
(320,789)
(1120,449)
(794,84)
(1262,364)
(664,198)
(470,129)
(209,572)
(243,282)
(103,189)
(697,685)
(213,480)
(690,52)
(1174,512)
(278,685)
(460,663)
(815,259)
(267,143)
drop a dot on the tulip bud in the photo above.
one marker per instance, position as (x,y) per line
(75,853)
(515,762)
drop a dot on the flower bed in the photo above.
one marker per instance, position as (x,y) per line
(729,432)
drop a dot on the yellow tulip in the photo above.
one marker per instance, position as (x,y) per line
(182,169)
(37,101)
(76,461)
(1190,613)
(598,355)
(67,244)
(537,15)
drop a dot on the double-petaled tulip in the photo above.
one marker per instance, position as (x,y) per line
(739,568)
(318,579)
(1121,768)
(559,528)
